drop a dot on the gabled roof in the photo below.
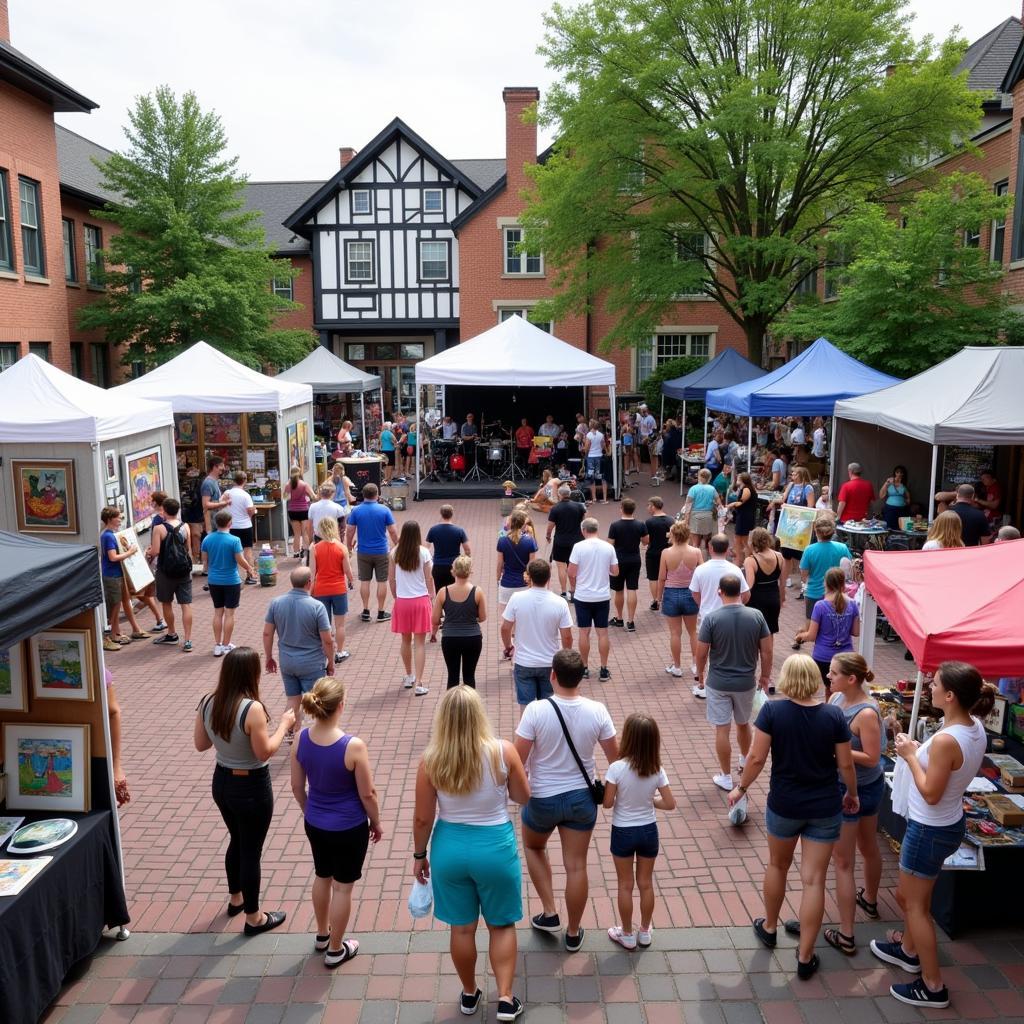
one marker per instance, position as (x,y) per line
(78,174)
(484,172)
(25,74)
(987,60)
(274,201)
(394,130)
(1014,67)
(496,188)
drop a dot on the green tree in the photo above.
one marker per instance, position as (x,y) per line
(918,286)
(754,124)
(188,264)
(669,370)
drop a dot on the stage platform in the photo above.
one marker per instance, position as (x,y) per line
(470,490)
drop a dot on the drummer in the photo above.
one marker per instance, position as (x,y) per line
(469,431)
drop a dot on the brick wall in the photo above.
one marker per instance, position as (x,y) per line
(1014,276)
(302,292)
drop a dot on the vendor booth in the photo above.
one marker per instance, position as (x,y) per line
(68,448)
(516,354)
(961,604)
(961,409)
(328,375)
(254,422)
(56,754)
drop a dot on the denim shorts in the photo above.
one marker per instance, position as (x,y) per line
(575,809)
(818,830)
(594,468)
(641,840)
(676,601)
(925,847)
(870,794)
(531,684)
(336,604)
(296,686)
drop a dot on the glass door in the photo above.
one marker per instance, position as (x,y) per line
(407,390)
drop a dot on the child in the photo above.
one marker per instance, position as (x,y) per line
(115,594)
(825,501)
(635,786)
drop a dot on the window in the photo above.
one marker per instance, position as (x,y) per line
(692,248)
(807,286)
(527,314)
(356,352)
(9,355)
(998,235)
(361,201)
(972,238)
(414,350)
(282,288)
(6,251)
(359,261)
(70,263)
(433,200)
(40,349)
(433,261)
(31,230)
(76,359)
(835,270)
(1017,243)
(631,173)
(516,262)
(100,365)
(663,347)
(138,368)
(93,260)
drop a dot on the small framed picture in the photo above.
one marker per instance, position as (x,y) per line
(995,720)
(121,504)
(62,665)
(47,766)
(110,465)
(13,682)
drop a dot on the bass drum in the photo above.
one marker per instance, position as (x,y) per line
(457,463)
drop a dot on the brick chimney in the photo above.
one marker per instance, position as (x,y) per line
(5,23)
(520,138)
(346,152)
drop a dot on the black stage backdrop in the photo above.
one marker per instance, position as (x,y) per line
(511,404)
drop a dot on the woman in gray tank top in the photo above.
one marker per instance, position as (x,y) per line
(849,675)
(463,606)
(234,722)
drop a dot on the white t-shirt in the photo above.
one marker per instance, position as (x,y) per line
(538,614)
(706,578)
(549,430)
(412,584)
(595,444)
(932,545)
(646,425)
(240,501)
(797,437)
(634,799)
(818,446)
(553,769)
(593,558)
(323,509)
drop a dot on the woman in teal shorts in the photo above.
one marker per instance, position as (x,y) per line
(466,778)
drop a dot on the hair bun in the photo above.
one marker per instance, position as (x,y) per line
(869,676)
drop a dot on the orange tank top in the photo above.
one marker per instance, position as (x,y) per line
(330,569)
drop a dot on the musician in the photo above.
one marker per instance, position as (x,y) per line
(524,441)
(549,428)
(449,428)
(469,431)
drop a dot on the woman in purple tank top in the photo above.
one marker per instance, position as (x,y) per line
(333,783)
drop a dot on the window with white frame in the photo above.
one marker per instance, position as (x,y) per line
(93,261)
(972,238)
(517,262)
(433,261)
(358,261)
(6,249)
(361,202)
(692,247)
(433,200)
(31,228)
(282,287)
(527,314)
(998,234)
(661,348)
(632,173)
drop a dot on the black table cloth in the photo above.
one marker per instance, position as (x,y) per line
(59,918)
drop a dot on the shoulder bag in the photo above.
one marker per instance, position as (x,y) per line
(595,786)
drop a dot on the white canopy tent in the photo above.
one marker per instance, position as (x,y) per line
(972,398)
(326,374)
(515,353)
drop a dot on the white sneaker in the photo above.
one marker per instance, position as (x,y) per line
(340,656)
(789,583)
(738,812)
(698,692)
(408,682)
(228,647)
(723,782)
(643,938)
(674,670)
(218,651)
(422,691)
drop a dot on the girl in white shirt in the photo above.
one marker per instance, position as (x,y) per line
(412,587)
(635,786)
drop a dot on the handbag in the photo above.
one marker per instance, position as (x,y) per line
(594,786)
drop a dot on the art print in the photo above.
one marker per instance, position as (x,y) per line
(261,428)
(185,429)
(13,688)
(144,475)
(46,500)
(16,874)
(223,428)
(796,527)
(303,443)
(135,568)
(291,434)
(8,826)
(62,665)
(110,465)
(47,767)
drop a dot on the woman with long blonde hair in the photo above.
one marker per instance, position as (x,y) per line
(946,532)
(465,780)
(412,587)
(678,562)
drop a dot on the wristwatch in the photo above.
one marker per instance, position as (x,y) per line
(741,788)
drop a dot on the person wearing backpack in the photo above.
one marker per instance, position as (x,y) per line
(171,546)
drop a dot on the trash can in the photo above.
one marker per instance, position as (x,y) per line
(399,496)
(361,472)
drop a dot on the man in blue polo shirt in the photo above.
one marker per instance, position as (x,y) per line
(372,524)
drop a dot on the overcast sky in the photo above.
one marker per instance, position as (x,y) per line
(293,81)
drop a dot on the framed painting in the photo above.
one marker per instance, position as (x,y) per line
(62,665)
(137,572)
(223,428)
(261,428)
(303,442)
(291,434)
(47,766)
(110,465)
(185,429)
(13,682)
(796,526)
(144,475)
(120,502)
(45,496)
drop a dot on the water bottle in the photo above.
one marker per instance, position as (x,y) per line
(266,566)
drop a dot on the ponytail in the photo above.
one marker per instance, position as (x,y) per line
(964,681)
(835,583)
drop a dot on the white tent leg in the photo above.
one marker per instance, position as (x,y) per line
(750,440)
(615,454)
(931,489)
(832,462)
(662,420)
(362,411)
(282,455)
(416,454)
(918,690)
(868,619)
(681,452)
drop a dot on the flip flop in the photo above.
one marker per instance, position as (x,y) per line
(792,927)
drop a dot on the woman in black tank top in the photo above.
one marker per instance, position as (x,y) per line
(767,587)
(463,606)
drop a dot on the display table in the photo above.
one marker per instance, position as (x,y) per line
(861,537)
(362,472)
(264,508)
(59,918)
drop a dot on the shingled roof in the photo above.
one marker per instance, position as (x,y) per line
(987,60)
(25,74)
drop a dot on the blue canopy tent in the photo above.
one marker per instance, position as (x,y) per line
(809,385)
(726,369)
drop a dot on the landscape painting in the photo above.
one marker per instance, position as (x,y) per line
(61,665)
(46,499)
(13,691)
(47,766)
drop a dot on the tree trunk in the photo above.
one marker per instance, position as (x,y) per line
(754,327)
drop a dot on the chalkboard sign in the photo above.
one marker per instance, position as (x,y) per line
(962,464)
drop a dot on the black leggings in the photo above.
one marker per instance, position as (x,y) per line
(246,803)
(464,651)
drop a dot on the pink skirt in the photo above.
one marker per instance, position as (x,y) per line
(411,615)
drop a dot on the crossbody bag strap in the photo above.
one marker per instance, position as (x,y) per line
(568,739)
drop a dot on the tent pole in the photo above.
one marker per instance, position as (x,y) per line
(615,454)
(832,461)
(662,420)
(362,413)
(416,454)
(918,690)
(931,489)
(750,440)
(681,452)
(868,618)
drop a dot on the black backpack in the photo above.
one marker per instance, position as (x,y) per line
(174,560)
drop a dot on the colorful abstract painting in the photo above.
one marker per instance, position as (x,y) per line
(143,476)
(46,496)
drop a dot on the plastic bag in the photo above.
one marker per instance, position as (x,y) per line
(421,898)
(760,699)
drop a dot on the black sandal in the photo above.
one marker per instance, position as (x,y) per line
(792,927)
(336,957)
(837,940)
(871,909)
(805,971)
(767,938)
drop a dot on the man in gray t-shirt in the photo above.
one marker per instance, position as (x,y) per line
(730,641)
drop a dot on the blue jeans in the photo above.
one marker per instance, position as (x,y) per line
(594,469)
(531,684)
(641,840)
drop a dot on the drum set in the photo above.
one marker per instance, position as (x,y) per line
(455,459)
